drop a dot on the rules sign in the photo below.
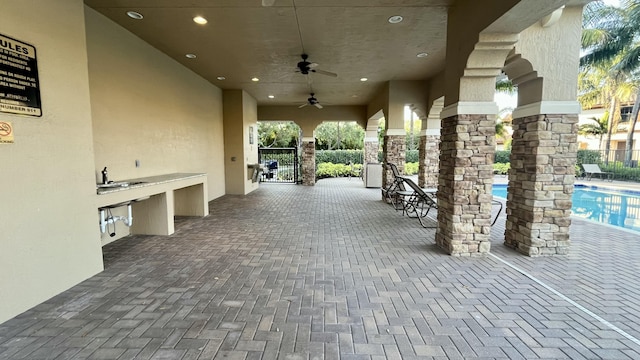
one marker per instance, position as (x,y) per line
(19,87)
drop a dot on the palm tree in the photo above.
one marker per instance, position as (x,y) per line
(598,127)
(612,36)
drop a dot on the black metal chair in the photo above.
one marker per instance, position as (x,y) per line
(417,203)
(392,192)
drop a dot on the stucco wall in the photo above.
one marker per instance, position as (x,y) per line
(108,99)
(148,107)
(240,113)
(48,230)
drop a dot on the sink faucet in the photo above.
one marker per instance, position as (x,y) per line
(105,179)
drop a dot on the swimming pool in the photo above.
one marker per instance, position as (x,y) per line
(619,208)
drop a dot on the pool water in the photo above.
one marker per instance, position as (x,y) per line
(613,207)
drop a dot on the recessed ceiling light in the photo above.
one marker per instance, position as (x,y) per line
(363,79)
(271,96)
(200,20)
(191,56)
(395,19)
(255,79)
(422,55)
(221,78)
(134,15)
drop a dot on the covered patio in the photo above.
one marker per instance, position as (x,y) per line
(336,273)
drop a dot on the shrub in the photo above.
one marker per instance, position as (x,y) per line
(339,156)
(589,157)
(502,157)
(501,169)
(412,156)
(328,170)
(411,168)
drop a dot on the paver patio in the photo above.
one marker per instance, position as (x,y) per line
(332,272)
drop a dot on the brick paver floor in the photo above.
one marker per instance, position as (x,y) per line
(332,272)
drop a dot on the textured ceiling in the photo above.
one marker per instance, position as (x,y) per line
(244,39)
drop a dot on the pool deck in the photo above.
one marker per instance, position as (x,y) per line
(332,272)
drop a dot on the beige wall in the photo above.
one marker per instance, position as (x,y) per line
(49,236)
(240,113)
(108,99)
(147,107)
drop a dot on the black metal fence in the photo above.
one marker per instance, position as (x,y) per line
(614,162)
(279,165)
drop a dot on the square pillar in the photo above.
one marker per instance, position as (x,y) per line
(429,161)
(465,184)
(308,161)
(543,158)
(394,151)
(371,151)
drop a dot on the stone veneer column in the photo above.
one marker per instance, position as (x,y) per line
(541,178)
(429,164)
(465,184)
(308,161)
(394,150)
(370,152)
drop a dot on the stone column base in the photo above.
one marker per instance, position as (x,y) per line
(308,163)
(394,152)
(429,165)
(541,179)
(466,180)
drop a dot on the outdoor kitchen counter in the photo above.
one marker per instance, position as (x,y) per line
(157,199)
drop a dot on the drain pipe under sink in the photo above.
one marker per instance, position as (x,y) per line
(107,220)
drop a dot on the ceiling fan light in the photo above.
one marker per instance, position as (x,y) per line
(395,19)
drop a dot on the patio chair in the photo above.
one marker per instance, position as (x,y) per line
(500,206)
(418,203)
(594,169)
(391,192)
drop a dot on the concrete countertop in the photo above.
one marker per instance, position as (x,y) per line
(148,181)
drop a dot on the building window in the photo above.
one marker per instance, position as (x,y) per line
(625,113)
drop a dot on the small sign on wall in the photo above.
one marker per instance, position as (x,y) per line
(19,85)
(6,132)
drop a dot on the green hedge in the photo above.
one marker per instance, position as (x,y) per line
(355,156)
(328,170)
(502,157)
(620,172)
(589,157)
(501,168)
(339,156)
(411,168)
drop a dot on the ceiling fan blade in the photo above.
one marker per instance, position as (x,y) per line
(301,106)
(268,2)
(328,73)
(312,65)
(318,105)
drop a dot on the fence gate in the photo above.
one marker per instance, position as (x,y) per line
(280,165)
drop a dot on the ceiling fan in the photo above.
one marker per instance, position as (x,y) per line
(311,101)
(305,67)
